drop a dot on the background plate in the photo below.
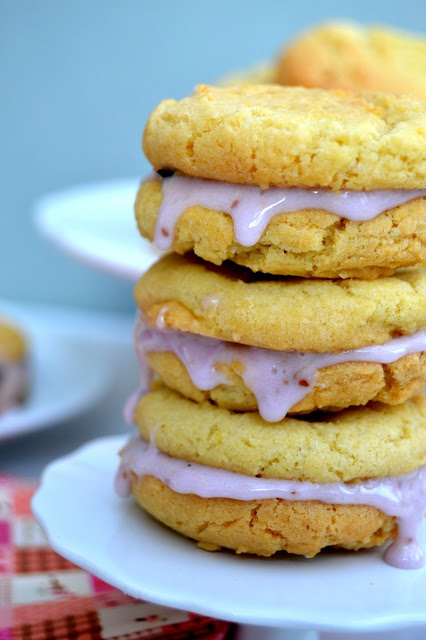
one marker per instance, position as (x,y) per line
(95,224)
(67,376)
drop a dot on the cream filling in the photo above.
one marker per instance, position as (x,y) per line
(252,208)
(278,379)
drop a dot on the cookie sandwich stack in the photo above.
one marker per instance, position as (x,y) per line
(283,339)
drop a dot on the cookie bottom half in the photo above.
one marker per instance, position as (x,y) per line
(264,527)
(308,243)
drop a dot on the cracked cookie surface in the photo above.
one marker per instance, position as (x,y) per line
(269,135)
(264,527)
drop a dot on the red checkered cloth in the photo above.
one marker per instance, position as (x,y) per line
(45,597)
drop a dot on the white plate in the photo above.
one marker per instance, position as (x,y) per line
(95,224)
(117,541)
(67,376)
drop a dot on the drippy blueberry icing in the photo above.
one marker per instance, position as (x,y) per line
(278,379)
(252,208)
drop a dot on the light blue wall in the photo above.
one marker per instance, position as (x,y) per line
(78,80)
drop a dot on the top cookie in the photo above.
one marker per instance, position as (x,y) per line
(345,55)
(268,135)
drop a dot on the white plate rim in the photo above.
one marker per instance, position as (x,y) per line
(392,621)
(50,225)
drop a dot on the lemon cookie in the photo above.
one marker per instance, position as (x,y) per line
(263,527)
(351,56)
(285,231)
(361,442)
(288,180)
(286,314)
(13,366)
(233,480)
(266,135)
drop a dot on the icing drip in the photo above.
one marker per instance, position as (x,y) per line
(144,371)
(403,497)
(252,208)
(278,379)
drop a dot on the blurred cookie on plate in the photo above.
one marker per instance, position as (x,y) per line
(351,56)
(13,366)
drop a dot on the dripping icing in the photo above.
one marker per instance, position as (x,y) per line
(252,208)
(278,379)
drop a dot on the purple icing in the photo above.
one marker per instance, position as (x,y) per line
(278,379)
(252,208)
(144,372)
(403,497)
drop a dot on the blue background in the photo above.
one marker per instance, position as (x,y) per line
(78,80)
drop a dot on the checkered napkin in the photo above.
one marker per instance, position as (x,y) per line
(45,597)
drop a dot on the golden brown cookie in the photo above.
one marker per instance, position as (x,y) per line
(306,243)
(336,387)
(264,527)
(350,56)
(365,442)
(287,314)
(269,135)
